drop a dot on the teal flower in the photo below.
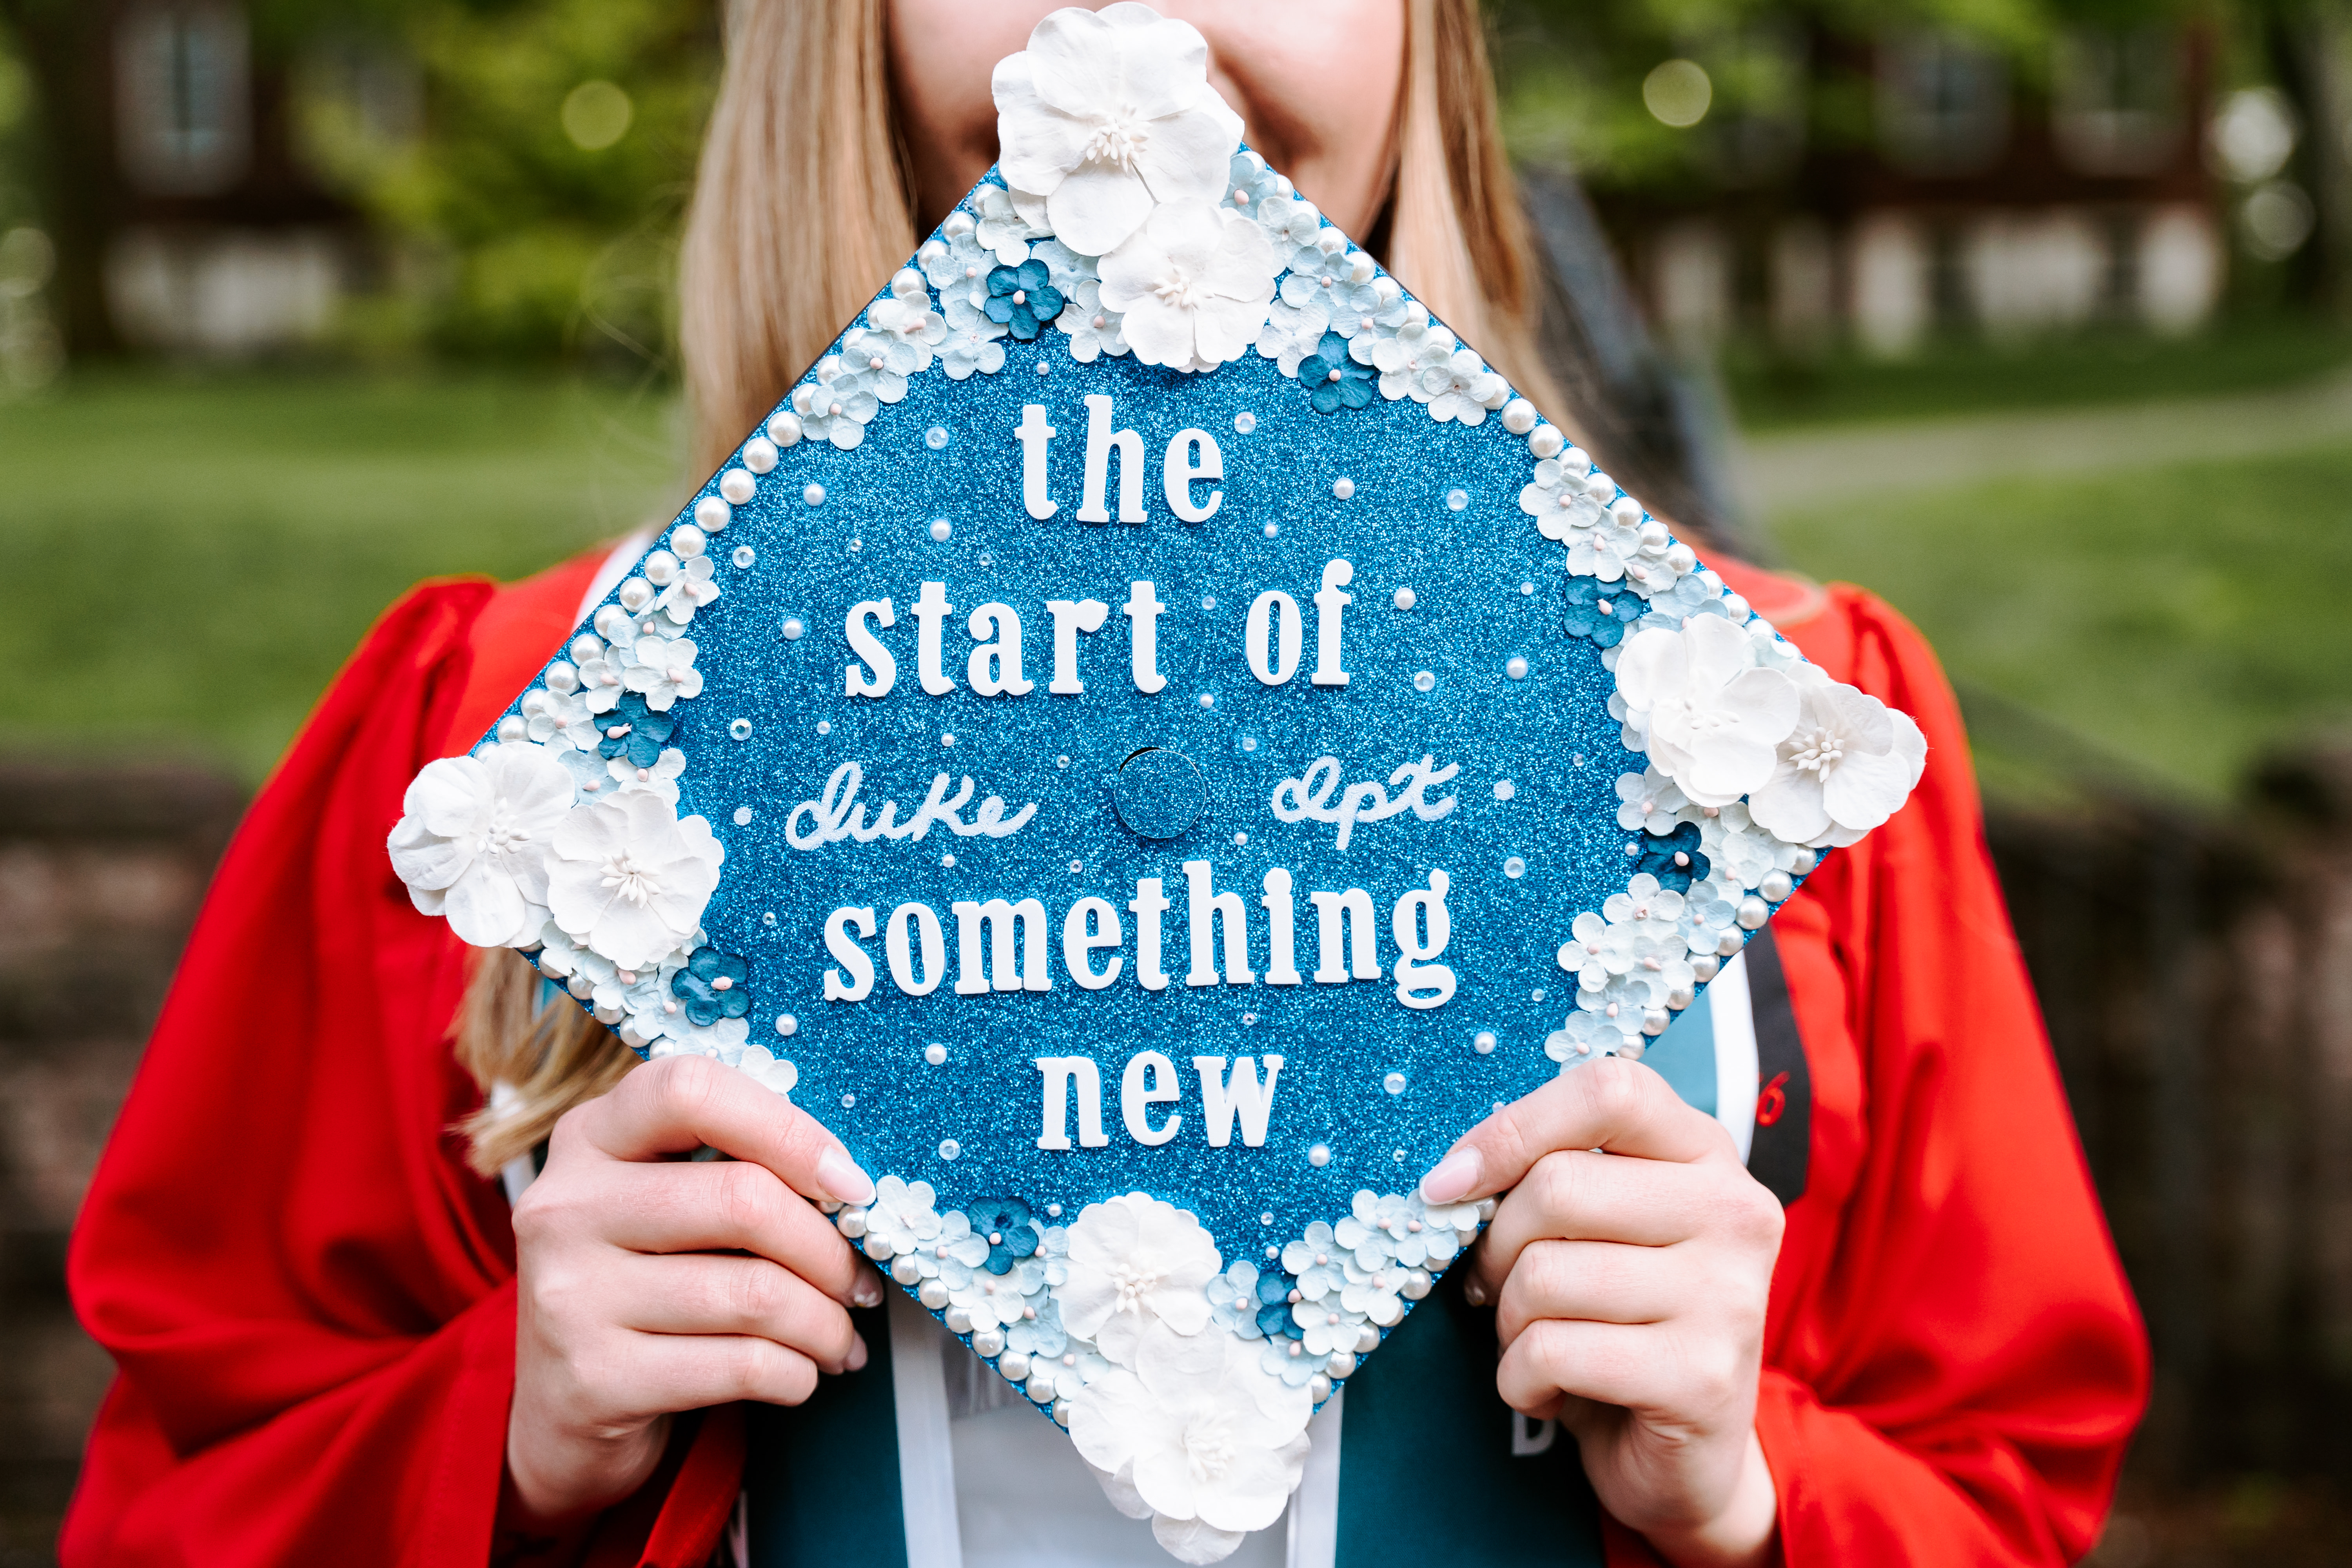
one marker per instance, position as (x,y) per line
(713,985)
(1335,380)
(1023,298)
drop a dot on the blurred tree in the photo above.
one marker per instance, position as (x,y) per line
(1595,87)
(535,202)
(65,137)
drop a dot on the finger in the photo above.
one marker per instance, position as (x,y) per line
(690,1371)
(1593,1282)
(727,1205)
(706,1293)
(681,1103)
(1628,1364)
(1619,1106)
(1574,1195)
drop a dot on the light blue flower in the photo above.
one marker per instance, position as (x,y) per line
(1039,1335)
(1095,329)
(957,264)
(970,342)
(1076,1364)
(1065,266)
(1287,1359)
(1232,1300)
(1315,1261)
(1251,186)
(1327,1325)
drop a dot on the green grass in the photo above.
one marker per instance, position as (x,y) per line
(194,558)
(1774,393)
(2180,619)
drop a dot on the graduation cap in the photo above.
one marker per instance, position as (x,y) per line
(1151,741)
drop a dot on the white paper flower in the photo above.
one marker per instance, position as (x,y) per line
(1742,852)
(769,1071)
(659,780)
(905,329)
(900,1218)
(558,719)
(1649,802)
(1095,328)
(1001,229)
(1713,719)
(1293,332)
(1330,1324)
(1846,768)
(472,841)
(1192,285)
(663,669)
(1461,388)
(1105,114)
(1396,1229)
(1200,1430)
(1137,1259)
(630,878)
(1416,344)
(1563,496)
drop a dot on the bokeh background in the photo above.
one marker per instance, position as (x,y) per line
(2031,315)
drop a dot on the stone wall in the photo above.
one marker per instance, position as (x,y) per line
(100,873)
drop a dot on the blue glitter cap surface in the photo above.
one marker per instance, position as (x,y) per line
(1225,848)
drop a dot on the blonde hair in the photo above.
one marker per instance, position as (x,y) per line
(803,209)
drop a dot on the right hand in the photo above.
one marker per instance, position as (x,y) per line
(648,1284)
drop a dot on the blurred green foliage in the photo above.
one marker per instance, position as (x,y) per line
(1786,75)
(520,228)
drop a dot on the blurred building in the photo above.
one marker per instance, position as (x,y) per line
(1975,201)
(180,193)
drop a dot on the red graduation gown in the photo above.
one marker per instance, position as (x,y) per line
(309,1297)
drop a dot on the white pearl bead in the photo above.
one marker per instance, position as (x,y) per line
(785,430)
(1518,416)
(759,454)
(712,513)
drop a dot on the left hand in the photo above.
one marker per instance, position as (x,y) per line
(1630,1261)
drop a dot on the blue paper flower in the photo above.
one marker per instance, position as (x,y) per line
(1674,858)
(1004,1224)
(632,729)
(1274,1318)
(1023,298)
(1600,612)
(1335,380)
(713,985)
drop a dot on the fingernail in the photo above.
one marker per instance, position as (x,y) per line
(1453,1179)
(867,1290)
(1474,1292)
(839,1174)
(857,1354)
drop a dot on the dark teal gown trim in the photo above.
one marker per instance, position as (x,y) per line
(821,1479)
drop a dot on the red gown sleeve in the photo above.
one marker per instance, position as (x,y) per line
(307,1294)
(1953,1360)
